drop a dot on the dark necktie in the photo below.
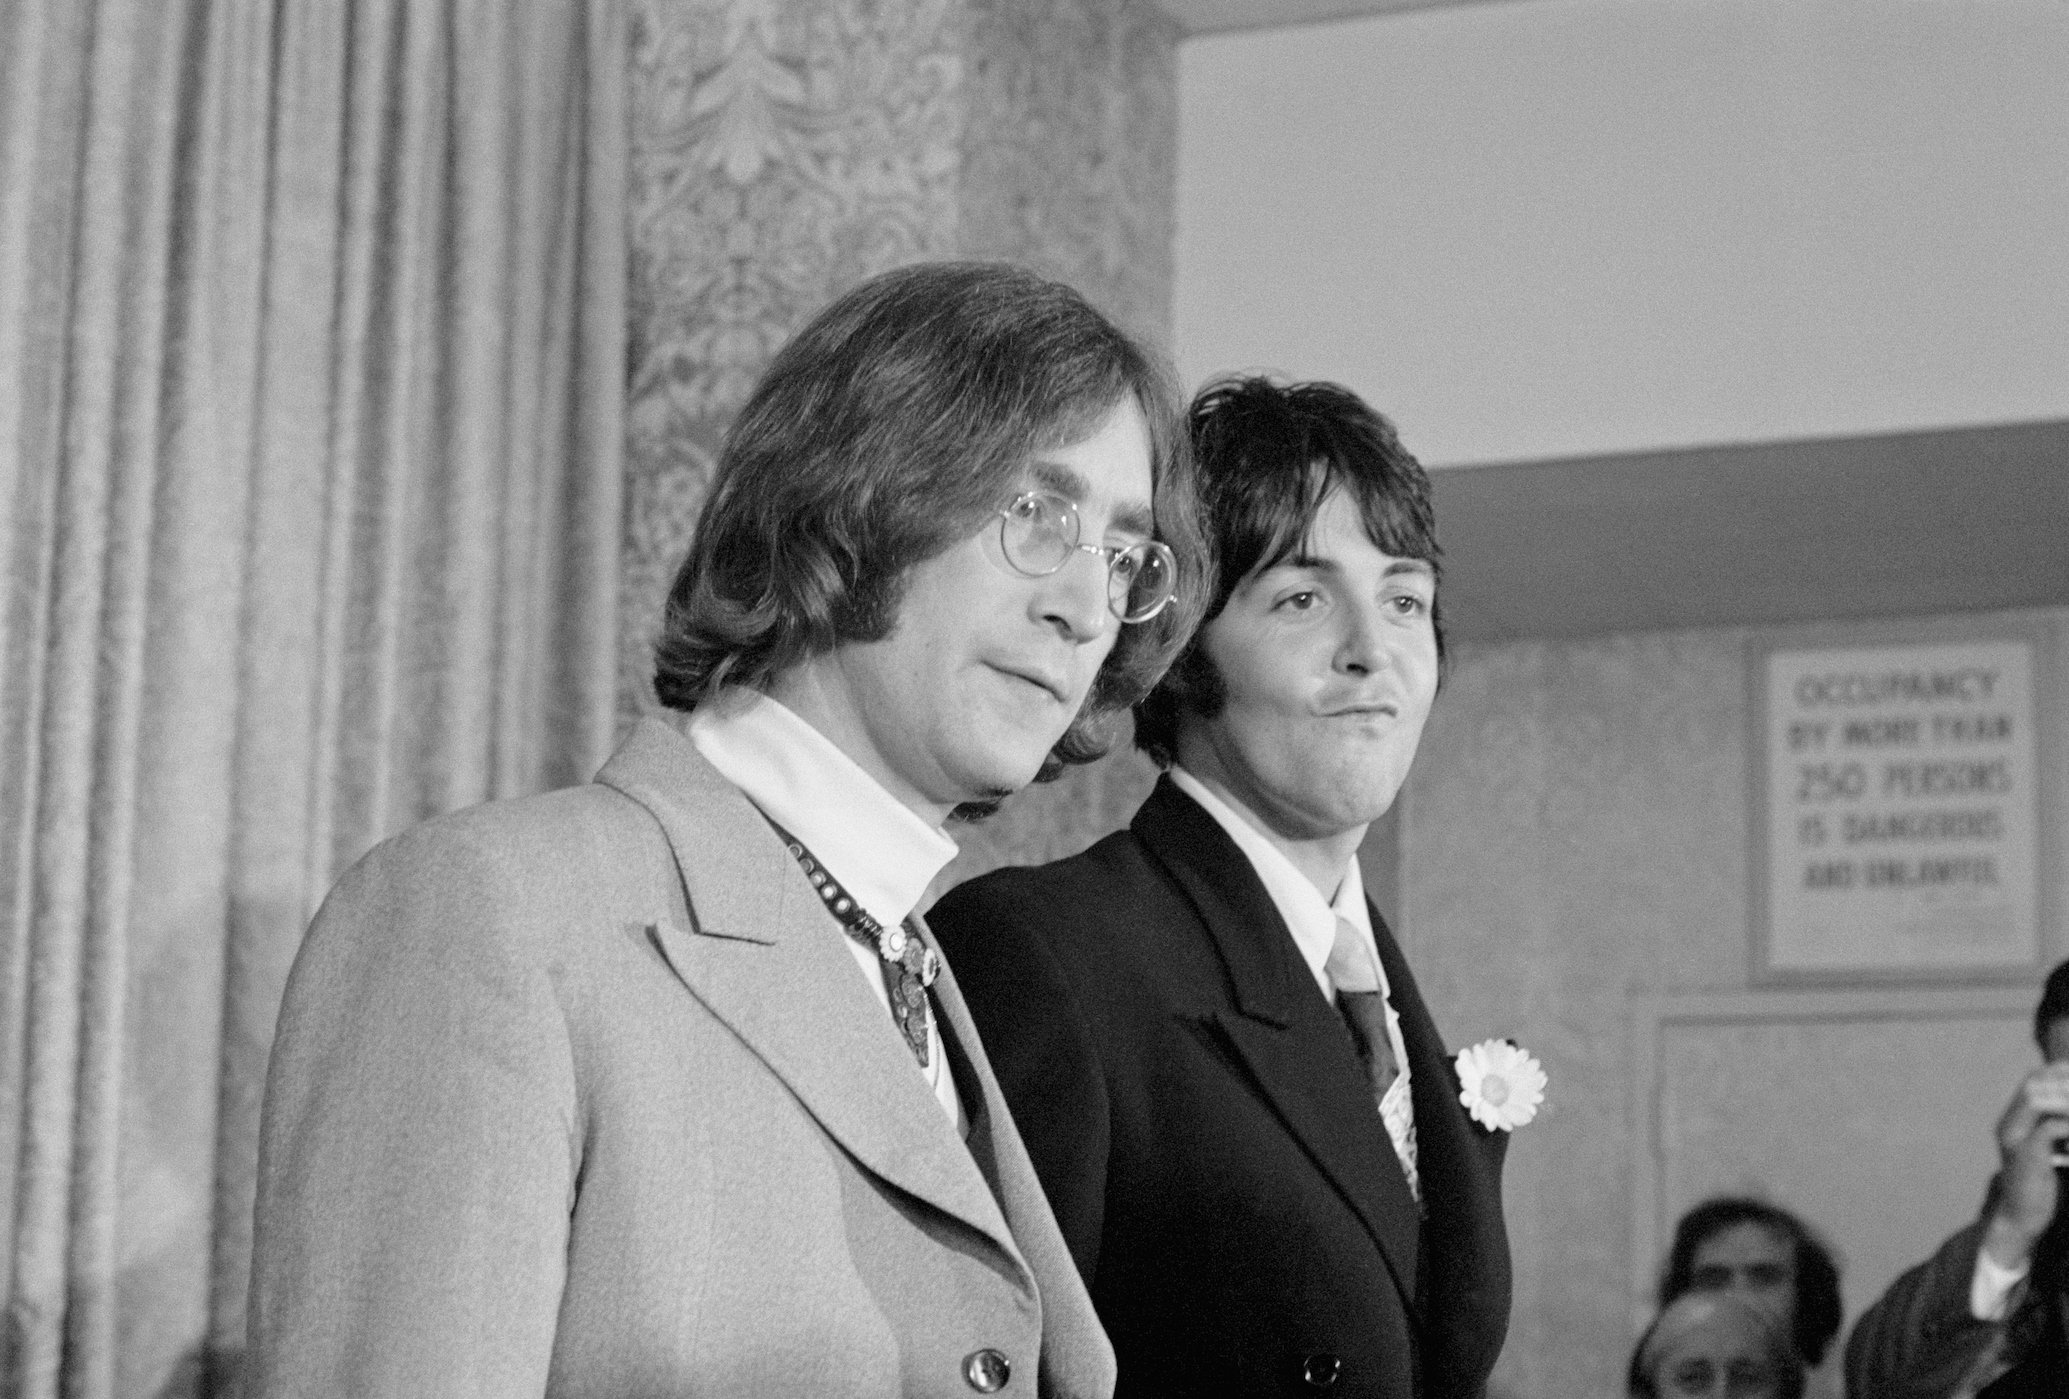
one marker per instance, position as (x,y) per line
(1363,1007)
(909,965)
(1365,1012)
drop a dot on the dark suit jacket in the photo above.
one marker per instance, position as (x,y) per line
(1919,1340)
(1197,1113)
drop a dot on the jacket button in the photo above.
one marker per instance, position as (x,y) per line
(1321,1371)
(987,1370)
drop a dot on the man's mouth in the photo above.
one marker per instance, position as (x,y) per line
(1056,688)
(1365,709)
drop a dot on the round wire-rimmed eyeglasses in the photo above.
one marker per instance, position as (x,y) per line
(1038,532)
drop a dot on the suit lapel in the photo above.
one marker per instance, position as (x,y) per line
(1282,1029)
(1464,1159)
(1465,1284)
(1076,1355)
(764,956)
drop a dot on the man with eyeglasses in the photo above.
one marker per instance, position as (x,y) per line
(1244,1117)
(659,1085)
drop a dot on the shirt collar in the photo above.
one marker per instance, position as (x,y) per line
(883,854)
(1308,916)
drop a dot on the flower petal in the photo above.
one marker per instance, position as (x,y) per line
(1500,1084)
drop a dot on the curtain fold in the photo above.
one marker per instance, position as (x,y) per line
(311,396)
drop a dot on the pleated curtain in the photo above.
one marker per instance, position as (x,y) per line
(312,336)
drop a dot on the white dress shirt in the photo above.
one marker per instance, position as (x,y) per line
(879,849)
(1990,1290)
(1312,921)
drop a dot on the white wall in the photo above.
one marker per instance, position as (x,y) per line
(1566,227)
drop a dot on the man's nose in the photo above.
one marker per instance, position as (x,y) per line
(1361,647)
(1073,599)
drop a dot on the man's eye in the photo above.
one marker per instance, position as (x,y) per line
(1040,511)
(1711,1279)
(1126,565)
(1302,601)
(1409,604)
(1692,1377)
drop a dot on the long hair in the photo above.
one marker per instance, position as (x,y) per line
(1818,1309)
(889,429)
(2054,1004)
(1268,456)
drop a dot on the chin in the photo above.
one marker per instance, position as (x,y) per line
(1364,806)
(999,772)
(984,790)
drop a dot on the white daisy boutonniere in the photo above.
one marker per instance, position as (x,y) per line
(1500,1084)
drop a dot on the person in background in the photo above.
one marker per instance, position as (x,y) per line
(657,1086)
(1715,1345)
(1765,1254)
(1243,1114)
(1988,1314)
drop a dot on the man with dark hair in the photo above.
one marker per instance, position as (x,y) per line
(1767,1255)
(1243,1115)
(1988,1314)
(658,1085)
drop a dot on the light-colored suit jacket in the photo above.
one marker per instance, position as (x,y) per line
(581,1095)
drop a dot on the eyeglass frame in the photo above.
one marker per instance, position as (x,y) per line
(1113,554)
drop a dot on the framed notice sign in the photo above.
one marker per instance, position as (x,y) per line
(1898,810)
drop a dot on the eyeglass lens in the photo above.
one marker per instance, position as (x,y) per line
(1139,582)
(1039,533)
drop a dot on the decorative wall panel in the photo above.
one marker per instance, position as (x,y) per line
(784,150)
(1068,148)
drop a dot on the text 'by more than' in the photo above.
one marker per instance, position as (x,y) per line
(1899,732)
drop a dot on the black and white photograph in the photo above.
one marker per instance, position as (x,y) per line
(1102,699)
